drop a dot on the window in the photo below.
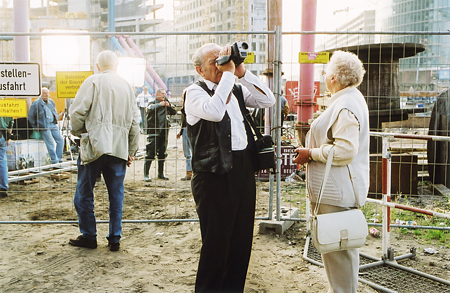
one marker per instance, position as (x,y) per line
(262,59)
(262,47)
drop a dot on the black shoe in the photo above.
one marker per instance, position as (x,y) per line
(114,246)
(162,177)
(83,242)
(3,193)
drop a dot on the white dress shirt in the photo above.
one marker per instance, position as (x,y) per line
(143,100)
(200,105)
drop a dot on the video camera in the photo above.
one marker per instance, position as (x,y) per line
(238,54)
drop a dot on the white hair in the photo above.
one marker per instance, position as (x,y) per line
(107,60)
(347,69)
(197,58)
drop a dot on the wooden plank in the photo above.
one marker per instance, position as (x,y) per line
(441,189)
(60,176)
(418,94)
(28,181)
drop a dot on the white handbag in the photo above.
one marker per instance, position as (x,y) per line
(341,230)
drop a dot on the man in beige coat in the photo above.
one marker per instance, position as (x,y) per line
(104,114)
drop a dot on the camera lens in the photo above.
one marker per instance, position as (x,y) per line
(244,45)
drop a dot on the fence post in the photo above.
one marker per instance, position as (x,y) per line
(277,121)
(386,192)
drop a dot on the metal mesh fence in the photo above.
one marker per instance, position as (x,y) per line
(405,78)
(388,277)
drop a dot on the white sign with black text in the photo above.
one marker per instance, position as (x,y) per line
(20,79)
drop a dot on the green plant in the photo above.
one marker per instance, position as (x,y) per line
(404,230)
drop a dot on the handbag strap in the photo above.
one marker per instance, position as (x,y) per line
(325,178)
(355,190)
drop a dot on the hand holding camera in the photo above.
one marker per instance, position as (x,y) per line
(238,54)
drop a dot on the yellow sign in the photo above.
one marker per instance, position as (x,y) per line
(68,82)
(308,57)
(13,108)
(250,59)
(71,15)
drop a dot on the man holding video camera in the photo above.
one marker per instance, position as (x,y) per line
(223,183)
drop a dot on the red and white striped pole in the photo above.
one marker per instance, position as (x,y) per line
(408,208)
(386,192)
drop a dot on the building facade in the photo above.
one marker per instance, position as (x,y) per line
(428,70)
(212,16)
(364,22)
(169,55)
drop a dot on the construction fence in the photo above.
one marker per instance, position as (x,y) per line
(406,88)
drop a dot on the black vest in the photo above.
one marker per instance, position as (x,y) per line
(211,141)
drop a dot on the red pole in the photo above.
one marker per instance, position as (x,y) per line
(384,188)
(306,83)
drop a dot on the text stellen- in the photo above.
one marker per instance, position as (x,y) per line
(13,86)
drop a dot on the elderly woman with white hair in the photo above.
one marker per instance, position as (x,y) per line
(344,125)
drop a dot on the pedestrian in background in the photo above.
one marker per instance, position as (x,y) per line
(142,101)
(105,116)
(6,125)
(185,140)
(44,118)
(284,108)
(158,112)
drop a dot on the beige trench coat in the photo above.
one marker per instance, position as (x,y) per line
(105,115)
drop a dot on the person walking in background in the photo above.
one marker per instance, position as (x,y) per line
(105,116)
(223,182)
(6,125)
(142,101)
(44,118)
(185,140)
(344,125)
(158,112)
(284,108)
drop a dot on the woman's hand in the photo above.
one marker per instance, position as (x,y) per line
(302,156)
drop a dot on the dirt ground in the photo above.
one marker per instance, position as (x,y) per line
(158,257)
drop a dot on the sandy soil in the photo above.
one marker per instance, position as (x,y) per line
(157,257)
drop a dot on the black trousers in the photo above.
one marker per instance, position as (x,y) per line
(156,146)
(226,210)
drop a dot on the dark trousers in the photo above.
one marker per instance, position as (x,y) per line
(144,119)
(114,170)
(156,146)
(226,210)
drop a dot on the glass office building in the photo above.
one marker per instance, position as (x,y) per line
(430,69)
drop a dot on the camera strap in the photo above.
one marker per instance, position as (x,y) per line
(250,127)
